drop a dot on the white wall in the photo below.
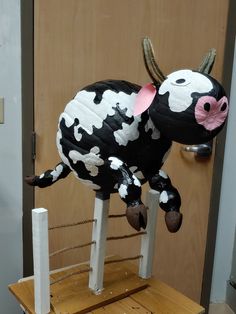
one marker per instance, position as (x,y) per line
(10,154)
(227,211)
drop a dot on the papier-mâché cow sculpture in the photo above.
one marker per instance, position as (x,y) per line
(115,135)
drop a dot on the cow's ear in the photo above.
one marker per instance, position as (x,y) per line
(144,98)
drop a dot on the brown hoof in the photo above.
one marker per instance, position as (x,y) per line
(137,216)
(173,221)
(30,180)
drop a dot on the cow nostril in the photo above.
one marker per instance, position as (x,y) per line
(223,107)
(180,81)
(207,106)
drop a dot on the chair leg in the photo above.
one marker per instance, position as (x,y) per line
(148,239)
(41,260)
(98,249)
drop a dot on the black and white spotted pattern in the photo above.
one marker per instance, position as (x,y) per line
(169,196)
(99,124)
(104,145)
(128,185)
(114,138)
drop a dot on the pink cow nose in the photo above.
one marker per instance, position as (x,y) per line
(211,113)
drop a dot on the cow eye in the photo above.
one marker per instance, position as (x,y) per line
(223,107)
(207,106)
(180,81)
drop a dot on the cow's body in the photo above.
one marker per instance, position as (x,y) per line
(99,123)
(115,135)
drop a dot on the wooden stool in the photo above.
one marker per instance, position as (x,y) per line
(124,292)
(90,286)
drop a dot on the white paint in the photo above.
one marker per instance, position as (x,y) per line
(227,212)
(11,260)
(163,174)
(91,160)
(180,94)
(92,115)
(128,132)
(98,250)
(136,181)
(56,172)
(115,163)
(125,102)
(155,132)
(163,197)
(148,239)
(77,135)
(123,190)
(41,260)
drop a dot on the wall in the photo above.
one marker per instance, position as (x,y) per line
(227,210)
(10,154)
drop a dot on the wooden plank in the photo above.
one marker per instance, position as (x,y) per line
(164,303)
(73,295)
(127,305)
(98,250)
(24,293)
(148,240)
(118,277)
(173,295)
(166,295)
(41,260)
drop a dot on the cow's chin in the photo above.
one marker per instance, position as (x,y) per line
(188,136)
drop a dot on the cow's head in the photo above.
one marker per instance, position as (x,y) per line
(187,106)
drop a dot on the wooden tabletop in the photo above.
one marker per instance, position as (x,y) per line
(124,292)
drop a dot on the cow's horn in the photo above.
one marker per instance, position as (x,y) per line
(150,63)
(208,62)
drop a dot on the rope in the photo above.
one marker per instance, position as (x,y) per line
(123,259)
(71,248)
(72,224)
(116,215)
(84,222)
(71,274)
(90,269)
(126,236)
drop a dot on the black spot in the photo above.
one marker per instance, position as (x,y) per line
(114,85)
(76,121)
(180,81)
(223,107)
(207,106)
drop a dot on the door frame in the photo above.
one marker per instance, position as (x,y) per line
(218,162)
(27,81)
(27,43)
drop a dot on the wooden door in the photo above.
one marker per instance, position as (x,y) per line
(78,42)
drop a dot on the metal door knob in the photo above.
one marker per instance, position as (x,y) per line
(201,150)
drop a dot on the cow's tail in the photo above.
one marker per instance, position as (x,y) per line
(49,177)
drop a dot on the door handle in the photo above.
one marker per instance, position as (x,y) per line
(201,150)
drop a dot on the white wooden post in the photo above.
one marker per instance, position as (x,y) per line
(98,249)
(148,239)
(41,260)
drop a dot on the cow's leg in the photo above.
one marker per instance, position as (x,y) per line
(50,176)
(170,200)
(129,189)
